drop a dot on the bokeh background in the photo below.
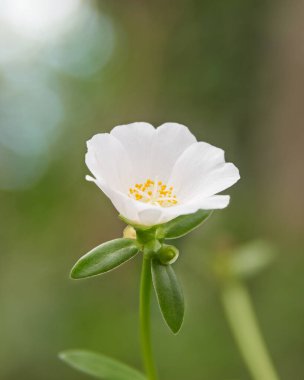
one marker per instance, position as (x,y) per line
(231,70)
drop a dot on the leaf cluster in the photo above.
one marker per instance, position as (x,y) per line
(150,241)
(110,255)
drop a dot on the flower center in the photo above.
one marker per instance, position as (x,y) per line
(154,192)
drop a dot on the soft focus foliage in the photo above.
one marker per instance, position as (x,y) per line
(232,72)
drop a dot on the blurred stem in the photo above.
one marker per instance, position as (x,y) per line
(244,326)
(144,312)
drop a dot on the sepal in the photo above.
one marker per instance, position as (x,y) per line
(129,232)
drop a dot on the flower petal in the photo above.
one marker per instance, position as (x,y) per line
(201,170)
(213,203)
(108,161)
(137,212)
(120,201)
(136,152)
(153,152)
(150,216)
(201,203)
(157,215)
(218,180)
(170,141)
(137,139)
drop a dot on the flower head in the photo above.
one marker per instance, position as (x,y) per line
(154,175)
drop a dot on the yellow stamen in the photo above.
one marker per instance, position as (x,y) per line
(154,192)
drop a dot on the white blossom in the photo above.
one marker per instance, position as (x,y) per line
(153,175)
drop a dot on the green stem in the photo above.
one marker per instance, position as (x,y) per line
(144,312)
(244,326)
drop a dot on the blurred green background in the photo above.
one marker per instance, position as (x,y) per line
(231,70)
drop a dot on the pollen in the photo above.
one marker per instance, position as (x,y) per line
(154,192)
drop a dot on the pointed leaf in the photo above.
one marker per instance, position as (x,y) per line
(100,366)
(104,258)
(169,294)
(181,225)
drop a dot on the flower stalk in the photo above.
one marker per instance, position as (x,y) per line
(188,175)
(244,326)
(144,312)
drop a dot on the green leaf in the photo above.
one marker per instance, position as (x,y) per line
(169,294)
(100,366)
(104,258)
(181,225)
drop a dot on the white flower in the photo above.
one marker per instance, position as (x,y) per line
(154,175)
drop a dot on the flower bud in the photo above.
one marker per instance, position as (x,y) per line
(129,233)
(167,254)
